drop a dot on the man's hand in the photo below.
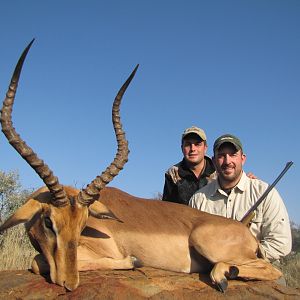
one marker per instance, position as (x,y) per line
(173,172)
(261,253)
(251,175)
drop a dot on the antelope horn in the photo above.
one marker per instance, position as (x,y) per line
(91,193)
(56,189)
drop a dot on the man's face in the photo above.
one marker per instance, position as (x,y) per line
(229,163)
(193,149)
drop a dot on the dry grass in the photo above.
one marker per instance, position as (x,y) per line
(290,267)
(16,250)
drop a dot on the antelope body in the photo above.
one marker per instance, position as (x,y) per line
(105,228)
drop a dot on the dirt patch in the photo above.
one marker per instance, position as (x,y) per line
(144,283)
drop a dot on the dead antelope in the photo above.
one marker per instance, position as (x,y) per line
(105,228)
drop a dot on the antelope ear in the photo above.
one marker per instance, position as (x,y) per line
(22,214)
(100,211)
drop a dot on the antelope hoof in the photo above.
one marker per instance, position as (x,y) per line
(136,262)
(222,285)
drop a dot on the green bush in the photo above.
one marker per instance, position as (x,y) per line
(11,194)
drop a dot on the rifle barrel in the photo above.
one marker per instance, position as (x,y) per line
(267,191)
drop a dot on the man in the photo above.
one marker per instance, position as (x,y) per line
(193,172)
(232,194)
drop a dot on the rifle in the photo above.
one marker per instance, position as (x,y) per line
(251,212)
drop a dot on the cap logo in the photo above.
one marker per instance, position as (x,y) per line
(226,138)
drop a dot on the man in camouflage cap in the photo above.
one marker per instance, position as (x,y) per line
(193,172)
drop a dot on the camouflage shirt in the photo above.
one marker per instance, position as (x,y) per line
(182,191)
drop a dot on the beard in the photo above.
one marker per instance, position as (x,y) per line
(229,174)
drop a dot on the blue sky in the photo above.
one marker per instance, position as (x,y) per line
(225,66)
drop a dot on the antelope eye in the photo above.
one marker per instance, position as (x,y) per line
(48,223)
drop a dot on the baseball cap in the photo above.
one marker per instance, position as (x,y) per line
(200,132)
(228,138)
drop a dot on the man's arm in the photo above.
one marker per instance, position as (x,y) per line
(170,189)
(276,241)
(195,201)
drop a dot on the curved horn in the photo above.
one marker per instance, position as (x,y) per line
(91,193)
(56,189)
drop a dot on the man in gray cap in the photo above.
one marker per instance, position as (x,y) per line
(232,194)
(193,172)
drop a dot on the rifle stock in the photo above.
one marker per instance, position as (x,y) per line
(248,218)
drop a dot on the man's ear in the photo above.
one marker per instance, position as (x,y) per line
(205,147)
(244,158)
(100,211)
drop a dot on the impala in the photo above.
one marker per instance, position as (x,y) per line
(102,227)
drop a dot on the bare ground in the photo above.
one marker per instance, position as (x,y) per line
(144,283)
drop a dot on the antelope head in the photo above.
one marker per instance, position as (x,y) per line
(56,215)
